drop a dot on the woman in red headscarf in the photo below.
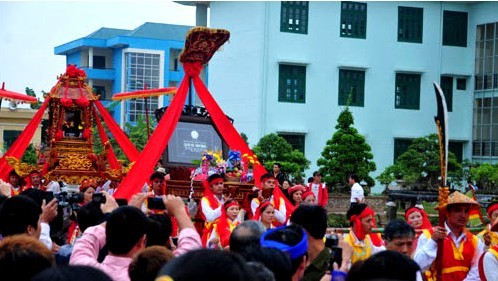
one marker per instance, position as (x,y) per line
(308,197)
(295,193)
(265,213)
(211,204)
(227,222)
(418,219)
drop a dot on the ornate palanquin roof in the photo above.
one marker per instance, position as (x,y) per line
(72,85)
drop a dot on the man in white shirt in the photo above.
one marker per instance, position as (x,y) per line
(461,249)
(357,193)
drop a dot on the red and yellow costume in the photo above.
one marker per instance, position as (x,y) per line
(361,243)
(210,200)
(493,234)
(224,226)
(494,251)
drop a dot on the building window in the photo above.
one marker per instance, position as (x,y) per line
(9,137)
(294,17)
(100,91)
(407,91)
(457,148)
(292,83)
(447,87)
(141,70)
(352,87)
(295,140)
(455,28)
(410,24)
(401,146)
(461,84)
(485,127)
(486,64)
(353,19)
(99,62)
(174,62)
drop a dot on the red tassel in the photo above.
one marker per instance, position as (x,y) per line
(82,101)
(59,135)
(86,133)
(66,102)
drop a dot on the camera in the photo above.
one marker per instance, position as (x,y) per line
(65,199)
(155,203)
(332,242)
(98,198)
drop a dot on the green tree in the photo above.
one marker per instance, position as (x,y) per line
(30,156)
(346,153)
(419,165)
(486,176)
(273,148)
(31,92)
(245,138)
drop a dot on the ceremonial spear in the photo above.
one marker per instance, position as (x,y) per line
(441,120)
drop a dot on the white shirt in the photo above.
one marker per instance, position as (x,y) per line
(211,214)
(356,192)
(426,252)
(314,189)
(45,235)
(490,266)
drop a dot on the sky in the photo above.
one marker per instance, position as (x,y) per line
(29,31)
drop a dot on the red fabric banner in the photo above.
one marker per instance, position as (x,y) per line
(226,129)
(21,143)
(111,157)
(126,145)
(144,165)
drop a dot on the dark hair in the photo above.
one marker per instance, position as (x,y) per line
(36,194)
(22,257)
(72,273)
(214,176)
(263,178)
(125,226)
(290,235)
(316,173)
(389,265)
(89,214)
(17,213)
(275,260)
(158,230)
(246,235)
(208,265)
(146,265)
(310,179)
(313,218)
(278,165)
(13,173)
(354,177)
(396,229)
(355,209)
(261,272)
(157,175)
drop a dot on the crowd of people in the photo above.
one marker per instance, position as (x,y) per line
(278,232)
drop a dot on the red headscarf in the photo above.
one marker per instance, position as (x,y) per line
(263,205)
(295,188)
(356,220)
(208,193)
(223,227)
(491,208)
(426,224)
(308,193)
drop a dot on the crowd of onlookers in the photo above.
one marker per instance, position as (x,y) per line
(277,232)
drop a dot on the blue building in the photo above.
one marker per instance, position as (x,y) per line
(119,60)
(289,67)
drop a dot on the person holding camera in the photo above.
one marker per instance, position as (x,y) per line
(322,254)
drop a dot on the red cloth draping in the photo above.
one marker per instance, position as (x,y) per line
(111,157)
(19,146)
(152,151)
(226,129)
(126,145)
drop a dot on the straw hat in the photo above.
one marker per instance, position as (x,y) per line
(459,198)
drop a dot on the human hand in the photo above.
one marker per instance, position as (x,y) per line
(439,233)
(138,199)
(487,238)
(110,203)
(214,241)
(174,204)
(347,254)
(49,211)
(5,188)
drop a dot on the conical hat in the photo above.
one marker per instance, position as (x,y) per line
(459,198)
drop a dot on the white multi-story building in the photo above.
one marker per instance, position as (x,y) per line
(289,67)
